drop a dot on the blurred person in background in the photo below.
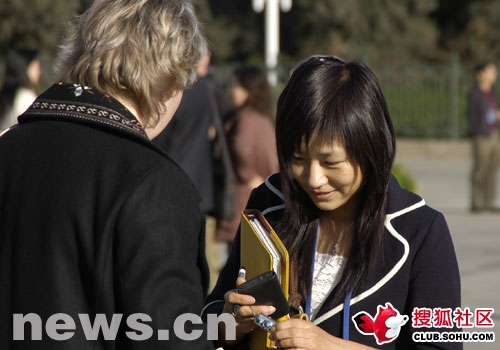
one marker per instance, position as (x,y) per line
(22,74)
(189,140)
(484,122)
(95,219)
(186,138)
(251,140)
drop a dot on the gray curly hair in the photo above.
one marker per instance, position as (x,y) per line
(143,50)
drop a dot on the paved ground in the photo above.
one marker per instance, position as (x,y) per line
(442,170)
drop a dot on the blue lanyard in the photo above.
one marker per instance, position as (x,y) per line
(346,314)
(347,300)
(309,295)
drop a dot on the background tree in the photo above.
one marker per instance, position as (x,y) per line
(482,33)
(451,18)
(39,24)
(374,30)
(394,30)
(388,31)
(233,30)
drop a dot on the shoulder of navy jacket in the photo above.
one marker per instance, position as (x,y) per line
(273,183)
(404,211)
(277,199)
(399,198)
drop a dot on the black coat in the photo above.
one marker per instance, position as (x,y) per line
(477,107)
(186,140)
(95,219)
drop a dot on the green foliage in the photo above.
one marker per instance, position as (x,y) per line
(427,100)
(418,112)
(377,31)
(481,38)
(404,177)
(388,34)
(371,29)
(38,24)
(233,30)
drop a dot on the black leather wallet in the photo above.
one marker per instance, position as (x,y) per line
(266,289)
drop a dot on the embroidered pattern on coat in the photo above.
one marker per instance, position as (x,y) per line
(84,111)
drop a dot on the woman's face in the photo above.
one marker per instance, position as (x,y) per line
(328,176)
(491,72)
(239,95)
(34,72)
(488,75)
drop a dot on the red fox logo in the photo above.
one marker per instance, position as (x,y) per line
(385,326)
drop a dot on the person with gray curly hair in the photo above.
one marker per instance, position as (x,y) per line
(143,53)
(102,238)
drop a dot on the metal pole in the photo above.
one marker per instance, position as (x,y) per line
(454,94)
(272,25)
(272,40)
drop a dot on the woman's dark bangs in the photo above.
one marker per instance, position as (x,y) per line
(301,125)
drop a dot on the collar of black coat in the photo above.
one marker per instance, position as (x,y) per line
(82,104)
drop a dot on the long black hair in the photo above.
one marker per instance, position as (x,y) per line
(343,102)
(254,80)
(16,76)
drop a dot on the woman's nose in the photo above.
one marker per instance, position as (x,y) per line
(316,175)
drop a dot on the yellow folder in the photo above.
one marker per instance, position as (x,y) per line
(262,251)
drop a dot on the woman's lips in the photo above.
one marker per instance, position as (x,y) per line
(323,194)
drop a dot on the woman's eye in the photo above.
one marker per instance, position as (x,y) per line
(297,158)
(330,163)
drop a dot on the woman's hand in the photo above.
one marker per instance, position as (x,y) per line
(304,335)
(244,314)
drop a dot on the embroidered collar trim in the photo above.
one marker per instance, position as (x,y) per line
(74,105)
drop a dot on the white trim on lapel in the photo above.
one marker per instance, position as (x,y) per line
(392,272)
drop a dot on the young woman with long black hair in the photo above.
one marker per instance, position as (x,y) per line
(356,239)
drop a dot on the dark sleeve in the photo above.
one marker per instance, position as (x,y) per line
(245,146)
(434,282)
(214,303)
(475,113)
(259,199)
(161,268)
(226,280)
